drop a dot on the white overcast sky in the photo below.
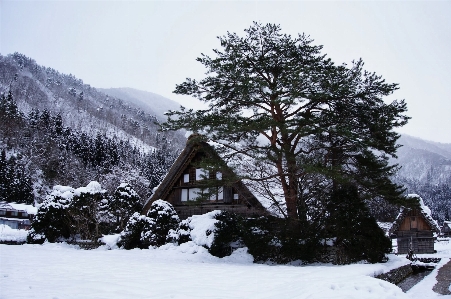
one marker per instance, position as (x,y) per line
(152,45)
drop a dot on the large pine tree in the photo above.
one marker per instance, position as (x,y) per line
(280,107)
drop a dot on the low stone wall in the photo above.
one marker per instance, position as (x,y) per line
(396,275)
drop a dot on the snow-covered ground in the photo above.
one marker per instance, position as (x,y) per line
(188,271)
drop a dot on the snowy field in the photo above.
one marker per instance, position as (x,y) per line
(61,271)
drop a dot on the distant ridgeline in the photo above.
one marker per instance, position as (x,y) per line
(56,130)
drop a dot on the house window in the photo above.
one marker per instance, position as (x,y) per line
(201,174)
(190,194)
(186,178)
(13,213)
(2,212)
(194,193)
(184,195)
(235,196)
(220,193)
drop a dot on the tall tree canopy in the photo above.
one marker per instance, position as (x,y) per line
(287,114)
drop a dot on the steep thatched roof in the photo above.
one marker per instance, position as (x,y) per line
(424,211)
(194,145)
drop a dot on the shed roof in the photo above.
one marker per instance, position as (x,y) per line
(424,211)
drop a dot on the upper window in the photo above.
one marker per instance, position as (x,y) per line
(186,178)
(201,174)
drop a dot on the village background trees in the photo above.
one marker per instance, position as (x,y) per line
(291,120)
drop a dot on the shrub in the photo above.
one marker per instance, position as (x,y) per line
(123,203)
(227,234)
(181,234)
(52,219)
(268,239)
(356,233)
(68,213)
(133,236)
(151,230)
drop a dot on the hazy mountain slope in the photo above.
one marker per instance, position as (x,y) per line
(426,170)
(144,99)
(424,161)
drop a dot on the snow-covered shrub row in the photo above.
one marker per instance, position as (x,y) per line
(84,213)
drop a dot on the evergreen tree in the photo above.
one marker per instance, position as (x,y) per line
(15,182)
(123,203)
(152,230)
(356,233)
(52,221)
(8,106)
(273,99)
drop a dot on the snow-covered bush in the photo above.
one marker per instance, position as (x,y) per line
(10,235)
(133,236)
(122,204)
(165,219)
(180,235)
(85,213)
(68,213)
(151,230)
(268,239)
(227,234)
(199,229)
(52,219)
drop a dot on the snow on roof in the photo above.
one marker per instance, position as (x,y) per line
(424,210)
(18,206)
(23,207)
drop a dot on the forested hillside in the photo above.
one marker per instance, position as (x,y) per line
(56,130)
(426,170)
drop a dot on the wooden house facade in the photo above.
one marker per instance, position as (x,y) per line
(414,228)
(184,186)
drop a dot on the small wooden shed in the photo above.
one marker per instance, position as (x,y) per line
(446,229)
(185,183)
(414,228)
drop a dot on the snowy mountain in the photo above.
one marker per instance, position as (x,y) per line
(55,129)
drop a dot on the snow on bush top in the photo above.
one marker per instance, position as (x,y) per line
(128,190)
(163,207)
(92,188)
(7,234)
(68,192)
(203,227)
